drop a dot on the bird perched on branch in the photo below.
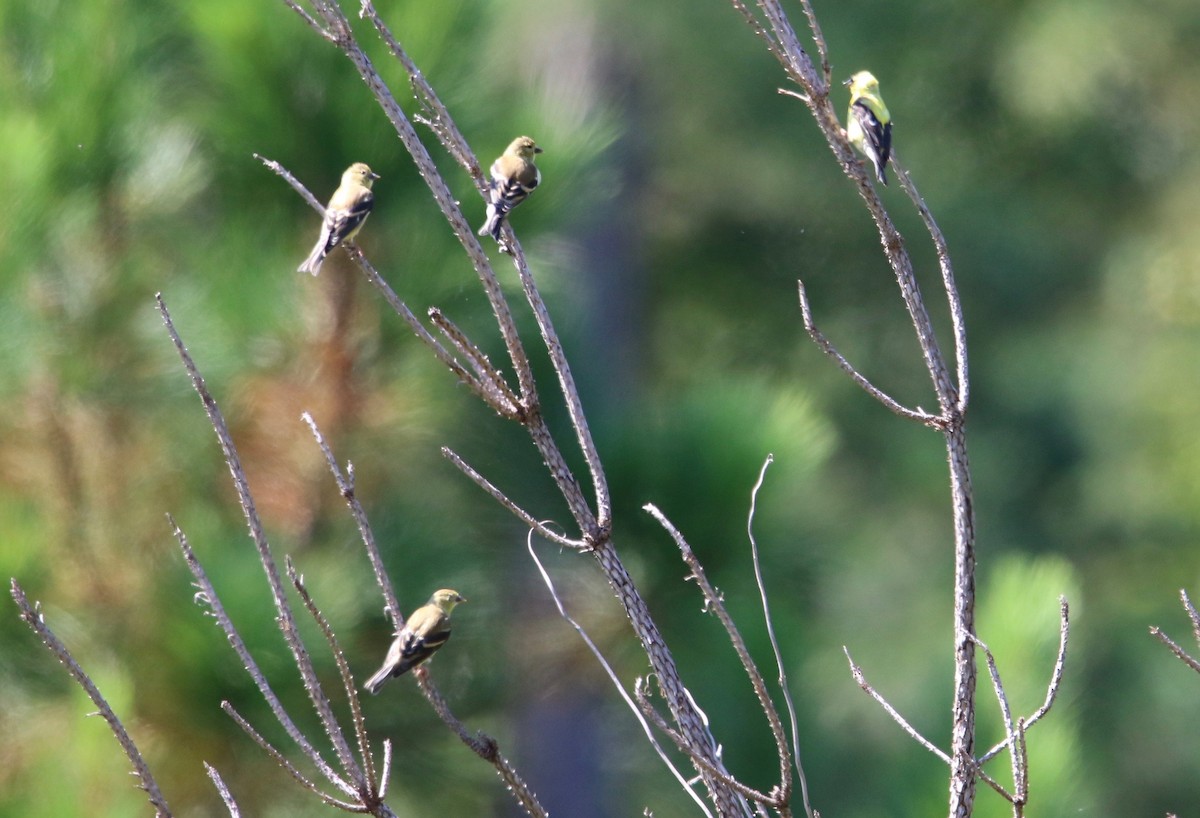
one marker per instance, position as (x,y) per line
(514,176)
(426,630)
(869,125)
(348,208)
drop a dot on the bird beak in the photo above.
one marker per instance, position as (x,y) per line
(537,150)
(848,80)
(375,175)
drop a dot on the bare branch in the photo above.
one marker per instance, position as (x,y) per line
(1064,633)
(954,303)
(612,677)
(1192,614)
(500,497)
(856,671)
(360,728)
(1175,648)
(32,616)
(1010,727)
(819,338)
(286,764)
(713,602)
(345,484)
(500,397)
(641,692)
(207,596)
(482,745)
(286,619)
(222,790)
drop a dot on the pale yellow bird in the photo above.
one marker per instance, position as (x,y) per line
(514,176)
(426,630)
(348,208)
(868,124)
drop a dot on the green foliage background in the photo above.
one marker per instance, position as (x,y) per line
(683,197)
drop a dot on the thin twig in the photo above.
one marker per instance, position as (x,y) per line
(856,671)
(345,484)
(360,728)
(641,694)
(954,303)
(1010,727)
(222,790)
(819,338)
(1056,676)
(500,497)
(1175,648)
(283,761)
(713,602)
(483,746)
(207,596)
(502,399)
(612,677)
(286,619)
(32,616)
(779,664)
(1192,613)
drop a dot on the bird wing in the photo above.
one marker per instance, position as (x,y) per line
(878,135)
(343,222)
(510,189)
(420,639)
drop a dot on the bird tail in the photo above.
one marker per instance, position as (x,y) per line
(491,227)
(373,684)
(312,264)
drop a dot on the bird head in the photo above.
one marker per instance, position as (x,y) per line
(524,147)
(446,599)
(863,82)
(359,173)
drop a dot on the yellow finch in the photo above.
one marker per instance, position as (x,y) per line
(348,208)
(869,125)
(514,176)
(426,630)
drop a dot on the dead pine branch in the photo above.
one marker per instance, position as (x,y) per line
(31,615)
(1173,646)
(768,19)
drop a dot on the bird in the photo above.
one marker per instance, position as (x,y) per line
(868,124)
(348,208)
(514,176)
(426,630)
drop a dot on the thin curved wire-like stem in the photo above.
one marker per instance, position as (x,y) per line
(32,616)
(770,625)
(612,676)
